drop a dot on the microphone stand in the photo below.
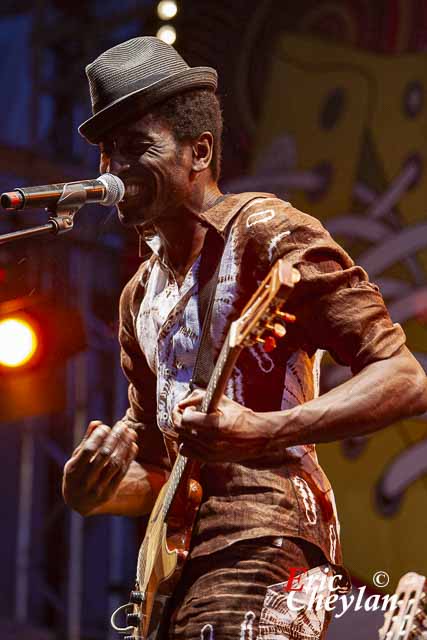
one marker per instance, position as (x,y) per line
(61,218)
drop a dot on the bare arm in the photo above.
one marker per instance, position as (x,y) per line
(380,394)
(136,493)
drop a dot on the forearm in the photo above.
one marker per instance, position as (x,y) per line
(381,394)
(136,493)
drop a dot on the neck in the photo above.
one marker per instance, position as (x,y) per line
(183,234)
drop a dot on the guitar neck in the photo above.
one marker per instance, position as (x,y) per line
(220,375)
(216,387)
(263,309)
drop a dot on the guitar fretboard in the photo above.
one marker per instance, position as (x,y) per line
(181,461)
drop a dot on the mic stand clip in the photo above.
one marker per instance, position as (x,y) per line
(61,218)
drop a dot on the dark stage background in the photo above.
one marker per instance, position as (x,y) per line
(325,105)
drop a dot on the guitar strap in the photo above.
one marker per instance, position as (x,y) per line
(210,263)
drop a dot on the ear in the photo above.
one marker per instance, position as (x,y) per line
(202,151)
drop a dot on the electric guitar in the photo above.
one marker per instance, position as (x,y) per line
(406,619)
(167,540)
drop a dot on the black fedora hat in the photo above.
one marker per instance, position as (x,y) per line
(132,77)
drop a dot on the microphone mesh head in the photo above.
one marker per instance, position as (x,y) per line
(114,189)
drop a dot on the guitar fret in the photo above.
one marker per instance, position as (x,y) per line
(181,461)
(174,480)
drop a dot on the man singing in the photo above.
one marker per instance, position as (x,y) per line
(267,505)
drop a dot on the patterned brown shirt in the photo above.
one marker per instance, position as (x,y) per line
(337,309)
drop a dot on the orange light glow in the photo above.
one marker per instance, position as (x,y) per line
(18,342)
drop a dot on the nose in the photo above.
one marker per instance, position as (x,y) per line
(118,164)
(113,163)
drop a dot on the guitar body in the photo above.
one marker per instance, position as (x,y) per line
(164,552)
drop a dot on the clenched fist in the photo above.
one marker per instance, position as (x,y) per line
(93,473)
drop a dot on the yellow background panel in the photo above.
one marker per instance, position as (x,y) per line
(305,72)
(372,542)
(293,103)
(372,127)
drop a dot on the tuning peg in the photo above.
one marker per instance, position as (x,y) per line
(416,633)
(136,597)
(287,317)
(269,344)
(133,619)
(277,328)
(421,619)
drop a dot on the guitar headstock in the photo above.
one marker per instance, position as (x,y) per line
(407,617)
(263,319)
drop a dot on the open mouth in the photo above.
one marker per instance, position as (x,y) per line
(135,194)
(132,190)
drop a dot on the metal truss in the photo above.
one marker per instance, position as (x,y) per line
(69,571)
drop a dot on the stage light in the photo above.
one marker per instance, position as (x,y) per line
(18,342)
(167,33)
(37,337)
(167,9)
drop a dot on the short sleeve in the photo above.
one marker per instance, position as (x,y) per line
(336,307)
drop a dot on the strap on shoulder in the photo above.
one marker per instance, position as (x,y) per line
(212,252)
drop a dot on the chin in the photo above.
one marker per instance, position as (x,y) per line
(131,215)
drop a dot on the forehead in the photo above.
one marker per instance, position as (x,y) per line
(148,125)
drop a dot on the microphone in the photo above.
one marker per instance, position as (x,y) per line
(106,190)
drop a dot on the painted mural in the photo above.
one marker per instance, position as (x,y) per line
(342,134)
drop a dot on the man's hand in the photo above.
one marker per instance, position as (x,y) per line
(97,466)
(230,434)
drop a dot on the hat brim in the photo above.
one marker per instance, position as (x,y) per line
(143,99)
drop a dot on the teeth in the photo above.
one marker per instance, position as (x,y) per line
(132,189)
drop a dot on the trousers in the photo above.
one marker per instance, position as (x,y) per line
(240,593)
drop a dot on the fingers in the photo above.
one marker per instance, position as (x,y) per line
(91,444)
(193,423)
(93,473)
(92,426)
(98,448)
(186,418)
(194,399)
(116,467)
(117,442)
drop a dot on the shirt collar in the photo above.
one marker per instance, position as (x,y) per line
(220,214)
(217,217)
